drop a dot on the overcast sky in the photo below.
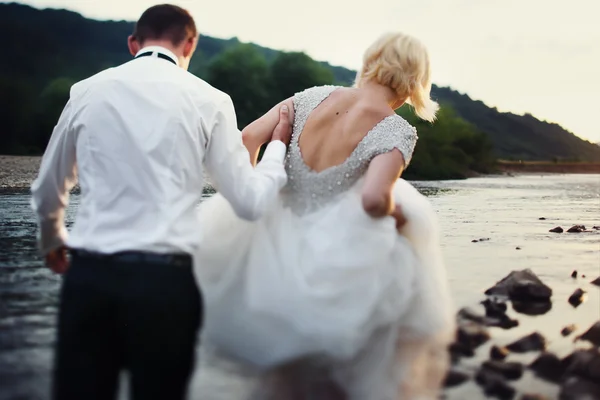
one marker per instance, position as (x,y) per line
(537,56)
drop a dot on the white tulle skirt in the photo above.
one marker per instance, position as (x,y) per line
(290,286)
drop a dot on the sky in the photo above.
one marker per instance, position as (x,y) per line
(535,56)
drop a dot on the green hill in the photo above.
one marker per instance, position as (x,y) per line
(51,49)
(519,137)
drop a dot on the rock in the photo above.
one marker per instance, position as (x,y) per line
(532,308)
(592,335)
(577,297)
(532,342)
(480,240)
(509,370)
(574,274)
(533,396)
(521,285)
(576,388)
(498,353)
(583,363)
(467,313)
(576,229)
(558,229)
(460,350)
(494,308)
(501,321)
(455,378)
(474,241)
(518,248)
(471,334)
(596,281)
(596,228)
(505,322)
(494,385)
(567,330)
(542,218)
(548,367)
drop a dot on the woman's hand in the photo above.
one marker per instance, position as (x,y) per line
(260,131)
(398,216)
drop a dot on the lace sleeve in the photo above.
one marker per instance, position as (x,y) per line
(394,133)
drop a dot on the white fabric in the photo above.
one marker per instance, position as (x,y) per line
(334,282)
(137,136)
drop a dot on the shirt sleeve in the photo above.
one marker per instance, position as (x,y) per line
(250,191)
(56,177)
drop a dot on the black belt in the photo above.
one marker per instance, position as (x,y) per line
(159,55)
(134,257)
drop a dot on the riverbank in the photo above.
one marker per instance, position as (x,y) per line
(548,167)
(18,171)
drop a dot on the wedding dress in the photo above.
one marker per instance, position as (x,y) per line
(317,282)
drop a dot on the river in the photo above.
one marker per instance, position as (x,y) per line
(507,210)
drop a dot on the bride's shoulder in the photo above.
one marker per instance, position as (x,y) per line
(400,125)
(393,132)
(316,91)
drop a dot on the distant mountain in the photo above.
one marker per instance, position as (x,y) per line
(46,45)
(521,137)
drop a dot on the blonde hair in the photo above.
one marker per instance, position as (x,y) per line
(401,63)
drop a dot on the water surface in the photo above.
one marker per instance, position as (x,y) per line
(504,209)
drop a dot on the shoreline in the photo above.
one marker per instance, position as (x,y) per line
(18,172)
(548,167)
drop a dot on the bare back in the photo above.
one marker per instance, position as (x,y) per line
(336,126)
(331,150)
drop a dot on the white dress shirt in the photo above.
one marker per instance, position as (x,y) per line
(136,137)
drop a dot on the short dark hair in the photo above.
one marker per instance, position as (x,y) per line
(165,22)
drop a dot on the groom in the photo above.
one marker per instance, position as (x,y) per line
(136,137)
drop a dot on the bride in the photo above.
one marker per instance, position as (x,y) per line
(331,294)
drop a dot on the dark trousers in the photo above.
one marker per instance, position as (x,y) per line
(128,314)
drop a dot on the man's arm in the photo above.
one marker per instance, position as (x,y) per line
(50,191)
(250,191)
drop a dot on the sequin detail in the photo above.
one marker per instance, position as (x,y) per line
(308,190)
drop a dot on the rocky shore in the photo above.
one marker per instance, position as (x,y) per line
(495,370)
(549,167)
(20,171)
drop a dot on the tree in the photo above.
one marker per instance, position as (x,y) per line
(450,148)
(294,72)
(243,73)
(48,108)
(15,106)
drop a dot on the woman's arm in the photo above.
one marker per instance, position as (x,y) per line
(260,131)
(377,200)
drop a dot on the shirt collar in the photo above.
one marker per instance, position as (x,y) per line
(159,49)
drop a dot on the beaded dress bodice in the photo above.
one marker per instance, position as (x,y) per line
(308,190)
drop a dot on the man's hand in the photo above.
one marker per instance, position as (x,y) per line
(57,260)
(283,130)
(398,216)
